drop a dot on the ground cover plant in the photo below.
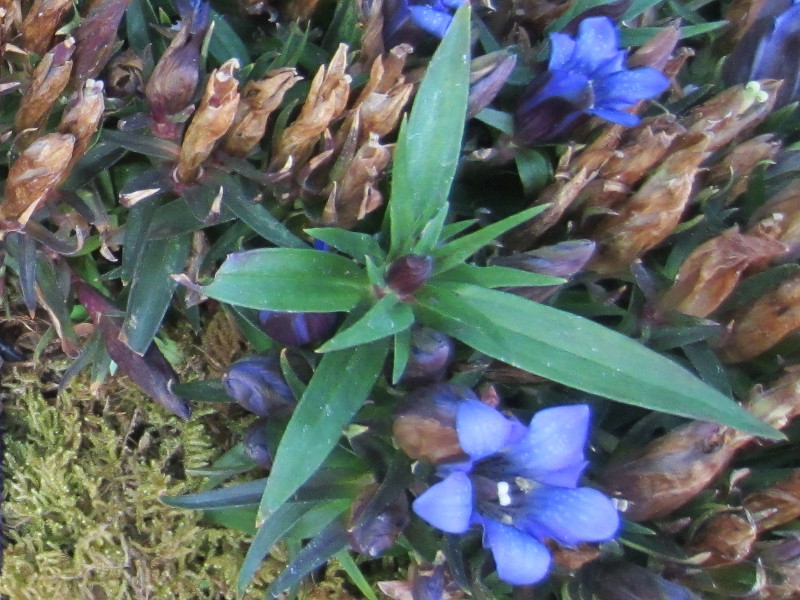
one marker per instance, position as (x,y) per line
(507,291)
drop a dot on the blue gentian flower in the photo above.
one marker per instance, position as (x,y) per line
(585,76)
(520,484)
(407,21)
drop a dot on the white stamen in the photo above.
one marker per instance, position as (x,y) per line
(503,497)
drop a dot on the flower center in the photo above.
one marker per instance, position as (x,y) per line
(498,494)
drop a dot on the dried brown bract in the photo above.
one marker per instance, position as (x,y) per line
(49,79)
(81,118)
(43,19)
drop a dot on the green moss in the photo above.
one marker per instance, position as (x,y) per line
(84,470)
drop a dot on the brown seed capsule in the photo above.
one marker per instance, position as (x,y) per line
(41,22)
(656,52)
(81,118)
(211,121)
(373,536)
(779,220)
(765,323)
(782,560)
(35,174)
(49,79)
(726,537)
(776,505)
(326,101)
(259,100)
(95,38)
(124,75)
(488,74)
(713,269)
(653,212)
(739,162)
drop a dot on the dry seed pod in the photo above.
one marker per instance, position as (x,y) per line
(727,537)
(776,505)
(779,219)
(656,52)
(125,75)
(671,470)
(81,118)
(488,75)
(653,212)
(778,404)
(259,100)
(49,79)
(357,194)
(782,560)
(41,22)
(35,174)
(765,323)
(326,101)
(95,38)
(10,20)
(211,121)
(713,269)
(734,110)
(739,163)
(380,113)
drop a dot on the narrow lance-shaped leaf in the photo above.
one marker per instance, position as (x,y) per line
(387,317)
(337,390)
(429,144)
(288,279)
(579,353)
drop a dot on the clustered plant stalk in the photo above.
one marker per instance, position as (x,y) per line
(517,283)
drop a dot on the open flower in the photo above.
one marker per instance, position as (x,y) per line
(407,21)
(586,76)
(520,484)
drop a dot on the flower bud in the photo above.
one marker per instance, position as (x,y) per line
(425,423)
(259,100)
(34,175)
(564,259)
(174,79)
(41,22)
(257,384)
(378,534)
(254,443)
(48,81)
(431,355)
(409,273)
(489,73)
(211,121)
(298,329)
(95,37)
(623,581)
(124,75)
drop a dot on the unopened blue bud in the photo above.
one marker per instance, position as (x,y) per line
(257,384)
(298,329)
(431,354)
(254,442)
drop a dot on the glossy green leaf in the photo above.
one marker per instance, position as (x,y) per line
(151,291)
(386,317)
(358,245)
(337,390)
(241,494)
(429,144)
(289,279)
(494,277)
(356,576)
(208,390)
(460,249)
(402,350)
(432,232)
(578,353)
(225,42)
(141,143)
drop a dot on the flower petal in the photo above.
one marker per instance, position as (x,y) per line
(615,116)
(629,86)
(596,43)
(520,558)
(555,441)
(447,505)
(430,20)
(482,430)
(561,48)
(570,516)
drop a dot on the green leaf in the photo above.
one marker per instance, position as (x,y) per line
(502,121)
(241,494)
(402,350)
(225,42)
(429,144)
(337,390)
(151,292)
(459,250)
(354,573)
(432,232)
(386,317)
(534,169)
(270,533)
(579,353)
(147,145)
(208,390)
(289,279)
(358,245)
(494,277)
(257,217)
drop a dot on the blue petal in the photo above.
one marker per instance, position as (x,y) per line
(430,20)
(555,441)
(615,116)
(612,65)
(629,86)
(482,430)
(520,559)
(570,516)
(561,48)
(454,4)
(596,43)
(448,504)
(572,86)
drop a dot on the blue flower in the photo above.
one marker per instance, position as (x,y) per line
(585,76)
(408,20)
(520,484)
